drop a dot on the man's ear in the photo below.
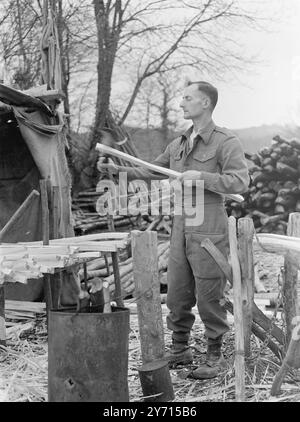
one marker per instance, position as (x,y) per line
(206,102)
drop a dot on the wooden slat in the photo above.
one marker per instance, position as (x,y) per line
(16,305)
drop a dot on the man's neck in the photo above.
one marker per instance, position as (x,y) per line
(201,122)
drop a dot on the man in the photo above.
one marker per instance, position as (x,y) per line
(215,155)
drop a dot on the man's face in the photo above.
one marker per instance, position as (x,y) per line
(194,102)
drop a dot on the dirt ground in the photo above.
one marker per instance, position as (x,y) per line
(23,364)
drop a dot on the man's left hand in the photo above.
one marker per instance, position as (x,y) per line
(190,175)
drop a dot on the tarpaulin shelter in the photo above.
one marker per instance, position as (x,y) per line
(32,147)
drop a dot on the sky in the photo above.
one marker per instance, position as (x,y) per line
(267,92)
(270,92)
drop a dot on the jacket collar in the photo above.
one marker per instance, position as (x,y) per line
(204,133)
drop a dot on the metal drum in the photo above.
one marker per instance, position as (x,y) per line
(88,356)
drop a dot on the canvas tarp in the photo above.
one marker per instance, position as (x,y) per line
(32,147)
(34,150)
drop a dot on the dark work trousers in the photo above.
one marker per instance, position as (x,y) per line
(194,277)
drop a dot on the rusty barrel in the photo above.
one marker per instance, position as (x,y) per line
(88,356)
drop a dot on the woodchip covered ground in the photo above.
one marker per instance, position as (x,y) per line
(23,364)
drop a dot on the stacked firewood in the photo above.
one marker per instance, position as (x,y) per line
(87,220)
(275,186)
(101,269)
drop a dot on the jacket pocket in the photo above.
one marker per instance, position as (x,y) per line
(202,264)
(203,156)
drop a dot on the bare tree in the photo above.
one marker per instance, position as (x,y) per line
(21,24)
(159,36)
(20,29)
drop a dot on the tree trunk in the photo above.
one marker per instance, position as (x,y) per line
(108,36)
(64,50)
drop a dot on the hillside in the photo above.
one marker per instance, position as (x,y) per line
(150,143)
(254,138)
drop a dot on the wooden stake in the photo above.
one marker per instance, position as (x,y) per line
(19,214)
(291,360)
(106,297)
(56,279)
(290,279)
(238,314)
(117,278)
(2,317)
(245,242)
(258,316)
(45,211)
(147,294)
(45,227)
(55,211)
(115,264)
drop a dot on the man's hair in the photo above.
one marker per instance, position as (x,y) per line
(208,89)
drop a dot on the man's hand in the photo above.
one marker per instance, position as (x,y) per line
(190,175)
(105,165)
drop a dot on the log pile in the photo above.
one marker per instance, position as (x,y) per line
(275,186)
(87,220)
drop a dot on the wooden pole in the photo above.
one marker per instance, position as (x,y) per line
(45,211)
(238,314)
(291,360)
(259,333)
(117,278)
(55,211)
(245,242)
(57,278)
(147,293)
(2,317)
(115,264)
(290,279)
(258,316)
(19,214)
(167,172)
(45,226)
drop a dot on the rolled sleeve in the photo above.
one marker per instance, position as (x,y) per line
(234,176)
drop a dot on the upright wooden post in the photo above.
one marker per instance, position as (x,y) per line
(291,263)
(147,293)
(2,317)
(56,279)
(115,263)
(238,314)
(45,226)
(245,242)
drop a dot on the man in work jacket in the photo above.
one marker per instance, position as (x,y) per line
(215,155)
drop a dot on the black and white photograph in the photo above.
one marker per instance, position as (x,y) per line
(149,204)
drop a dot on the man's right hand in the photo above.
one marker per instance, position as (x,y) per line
(105,165)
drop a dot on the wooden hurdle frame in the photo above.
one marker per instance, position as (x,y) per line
(248,317)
